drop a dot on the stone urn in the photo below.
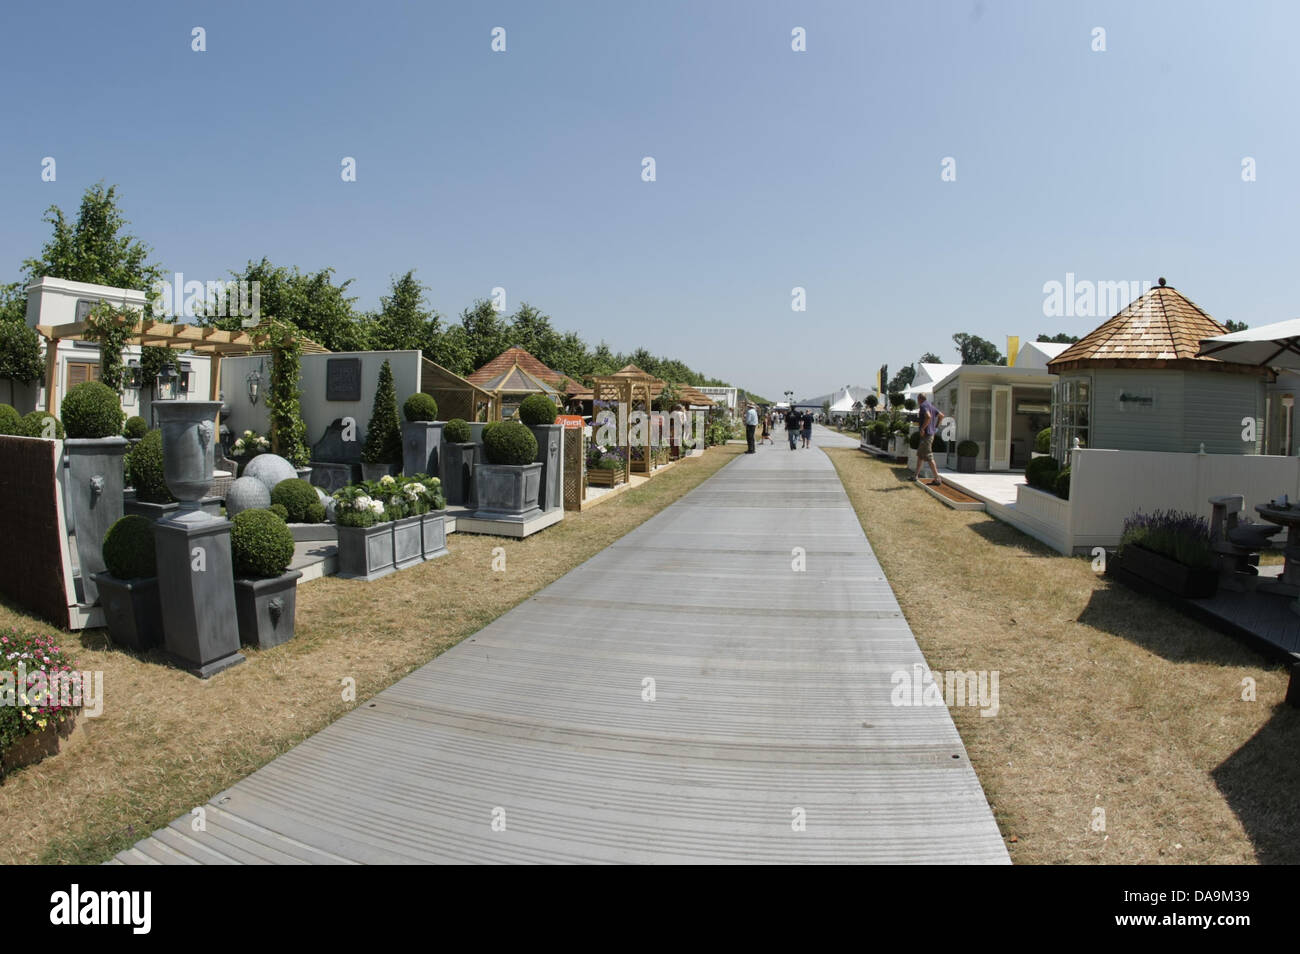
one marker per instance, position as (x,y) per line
(189,437)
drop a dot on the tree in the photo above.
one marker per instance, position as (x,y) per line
(930,358)
(903,379)
(94,248)
(1236,325)
(20,354)
(383,443)
(1058,338)
(975,350)
(404,322)
(310,301)
(486,333)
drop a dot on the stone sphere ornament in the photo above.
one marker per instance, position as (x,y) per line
(246,493)
(270,469)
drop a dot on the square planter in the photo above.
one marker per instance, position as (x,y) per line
(94,493)
(377,471)
(408,542)
(599,477)
(507,492)
(549,438)
(366,553)
(433,533)
(132,611)
(966,465)
(420,441)
(457,464)
(1153,568)
(157,511)
(265,609)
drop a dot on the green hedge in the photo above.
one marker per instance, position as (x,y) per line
(1061,486)
(261,544)
(129,549)
(509,443)
(1041,473)
(92,409)
(420,407)
(456,431)
(537,410)
(11,422)
(41,424)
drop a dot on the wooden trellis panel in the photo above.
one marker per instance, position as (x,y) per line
(575,468)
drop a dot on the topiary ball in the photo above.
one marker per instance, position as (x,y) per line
(247,493)
(11,421)
(420,407)
(297,497)
(968,449)
(316,513)
(537,410)
(270,469)
(456,431)
(261,544)
(278,510)
(92,410)
(1043,441)
(136,428)
(509,443)
(129,549)
(1041,472)
(144,469)
(41,424)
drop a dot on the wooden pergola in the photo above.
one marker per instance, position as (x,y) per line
(628,387)
(198,339)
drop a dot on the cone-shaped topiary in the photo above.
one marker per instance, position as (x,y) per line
(91,410)
(384,435)
(41,424)
(420,407)
(298,498)
(129,549)
(136,427)
(11,421)
(261,544)
(456,431)
(144,470)
(509,443)
(536,410)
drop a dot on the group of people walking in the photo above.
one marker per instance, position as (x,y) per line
(798,427)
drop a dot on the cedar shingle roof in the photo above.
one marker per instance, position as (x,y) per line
(1160,329)
(507,359)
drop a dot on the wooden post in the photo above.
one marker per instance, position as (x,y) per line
(214,384)
(51,375)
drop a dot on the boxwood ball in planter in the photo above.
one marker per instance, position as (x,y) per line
(538,413)
(136,428)
(261,547)
(92,420)
(128,589)
(536,410)
(967,452)
(509,484)
(421,435)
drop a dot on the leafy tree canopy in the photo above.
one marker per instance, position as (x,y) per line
(975,350)
(1059,338)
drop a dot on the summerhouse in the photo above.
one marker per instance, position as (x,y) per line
(1137,383)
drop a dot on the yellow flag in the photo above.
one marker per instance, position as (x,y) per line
(877,380)
(1013,349)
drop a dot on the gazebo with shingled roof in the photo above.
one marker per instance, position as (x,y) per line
(1136,382)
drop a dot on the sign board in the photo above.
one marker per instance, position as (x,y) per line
(570,420)
(343,379)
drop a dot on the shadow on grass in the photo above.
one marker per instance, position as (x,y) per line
(1001,534)
(1260,782)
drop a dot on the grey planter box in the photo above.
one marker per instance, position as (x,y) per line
(314,532)
(420,440)
(408,542)
(366,553)
(549,441)
(132,611)
(966,465)
(265,609)
(433,533)
(95,481)
(156,511)
(508,493)
(376,471)
(458,462)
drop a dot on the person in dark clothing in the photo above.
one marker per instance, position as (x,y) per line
(792,425)
(807,422)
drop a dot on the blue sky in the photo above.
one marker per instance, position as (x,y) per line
(775,169)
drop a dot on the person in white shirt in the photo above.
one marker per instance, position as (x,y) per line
(751,423)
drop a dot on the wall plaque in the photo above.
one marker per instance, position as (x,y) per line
(343,379)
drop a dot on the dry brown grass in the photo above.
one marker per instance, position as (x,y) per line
(1108,698)
(167,742)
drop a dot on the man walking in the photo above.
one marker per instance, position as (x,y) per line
(792,425)
(751,423)
(807,428)
(931,418)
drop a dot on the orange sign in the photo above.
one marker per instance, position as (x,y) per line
(570,420)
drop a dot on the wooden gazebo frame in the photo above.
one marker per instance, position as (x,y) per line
(627,388)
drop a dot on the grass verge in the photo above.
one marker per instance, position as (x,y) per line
(167,742)
(1109,699)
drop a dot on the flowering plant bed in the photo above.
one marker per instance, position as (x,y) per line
(385,524)
(32,716)
(1169,550)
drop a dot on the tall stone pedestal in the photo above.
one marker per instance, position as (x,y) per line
(196,582)
(550,439)
(420,440)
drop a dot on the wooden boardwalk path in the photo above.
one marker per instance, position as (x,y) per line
(770,738)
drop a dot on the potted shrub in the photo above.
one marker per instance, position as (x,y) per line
(144,472)
(1041,473)
(303,510)
(365,539)
(382,452)
(402,518)
(606,466)
(509,484)
(92,419)
(266,590)
(421,435)
(1168,550)
(913,445)
(128,588)
(135,429)
(247,446)
(459,455)
(538,413)
(41,424)
(34,721)
(967,452)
